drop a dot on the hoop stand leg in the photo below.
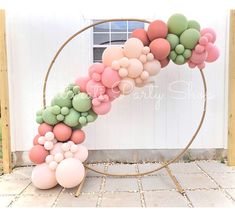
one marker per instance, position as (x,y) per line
(77,194)
(176,182)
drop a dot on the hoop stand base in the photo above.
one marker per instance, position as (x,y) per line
(173,178)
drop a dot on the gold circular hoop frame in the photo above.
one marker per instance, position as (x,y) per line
(177,157)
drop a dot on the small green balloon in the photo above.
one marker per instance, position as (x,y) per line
(177,23)
(89,118)
(62,100)
(64,111)
(49,117)
(189,38)
(60,117)
(76,89)
(187,53)
(179,60)
(56,109)
(84,113)
(179,49)
(39,119)
(173,55)
(82,121)
(72,119)
(93,114)
(82,102)
(70,94)
(39,112)
(193,24)
(173,40)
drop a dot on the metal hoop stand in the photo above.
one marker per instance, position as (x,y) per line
(164,165)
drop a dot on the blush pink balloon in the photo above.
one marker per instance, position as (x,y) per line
(35,140)
(44,128)
(110,78)
(133,48)
(213,54)
(198,58)
(103,108)
(82,153)
(62,132)
(209,33)
(95,88)
(126,86)
(57,148)
(96,68)
(152,67)
(82,82)
(70,172)
(113,93)
(112,53)
(43,177)
(135,68)
(78,136)
(164,62)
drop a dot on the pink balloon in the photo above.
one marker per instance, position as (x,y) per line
(43,177)
(62,132)
(213,54)
(113,93)
(160,48)
(126,86)
(209,33)
(133,48)
(35,140)
(199,49)
(96,68)
(157,29)
(112,53)
(82,82)
(135,68)
(78,136)
(110,78)
(95,89)
(82,153)
(44,128)
(198,58)
(164,62)
(103,108)
(152,67)
(57,148)
(38,154)
(70,172)
(141,34)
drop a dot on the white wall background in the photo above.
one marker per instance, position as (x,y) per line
(35,31)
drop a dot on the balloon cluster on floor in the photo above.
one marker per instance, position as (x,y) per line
(58,150)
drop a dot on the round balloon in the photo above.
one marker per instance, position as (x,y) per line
(82,102)
(82,153)
(160,48)
(157,29)
(112,53)
(177,23)
(38,154)
(133,48)
(95,88)
(141,34)
(81,82)
(62,132)
(135,68)
(44,128)
(110,78)
(78,136)
(126,86)
(152,67)
(103,108)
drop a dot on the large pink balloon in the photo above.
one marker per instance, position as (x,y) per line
(102,108)
(110,78)
(152,67)
(38,154)
(82,153)
(81,82)
(213,54)
(70,173)
(95,88)
(62,132)
(112,53)
(133,48)
(126,86)
(135,68)
(113,93)
(44,128)
(43,177)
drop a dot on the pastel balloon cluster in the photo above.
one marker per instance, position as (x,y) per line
(57,149)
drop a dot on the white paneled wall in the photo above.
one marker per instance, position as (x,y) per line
(165,121)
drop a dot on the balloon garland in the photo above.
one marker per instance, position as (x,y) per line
(57,149)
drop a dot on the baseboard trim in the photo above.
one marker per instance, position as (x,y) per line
(20,158)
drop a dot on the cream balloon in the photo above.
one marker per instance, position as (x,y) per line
(135,68)
(126,86)
(70,172)
(82,153)
(112,53)
(43,177)
(152,67)
(133,48)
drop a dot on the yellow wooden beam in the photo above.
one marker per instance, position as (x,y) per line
(6,141)
(231,128)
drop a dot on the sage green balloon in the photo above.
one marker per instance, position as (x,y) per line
(76,89)
(173,55)
(179,49)
(49,117)
(89,118)
(93,114)
(177,23)
(39,119)
(64,110)
(179,60)
(56,109)
(39,112)
(187,53)
(82,120)
(78,127)
(60,117)
(173,40)
(62,100)
(82,102)
(189,38)
(72,118)
(194,25)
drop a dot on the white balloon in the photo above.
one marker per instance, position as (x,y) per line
(82,153)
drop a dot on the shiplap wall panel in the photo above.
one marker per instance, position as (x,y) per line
(163,121)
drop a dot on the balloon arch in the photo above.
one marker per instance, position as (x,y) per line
(57,149)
